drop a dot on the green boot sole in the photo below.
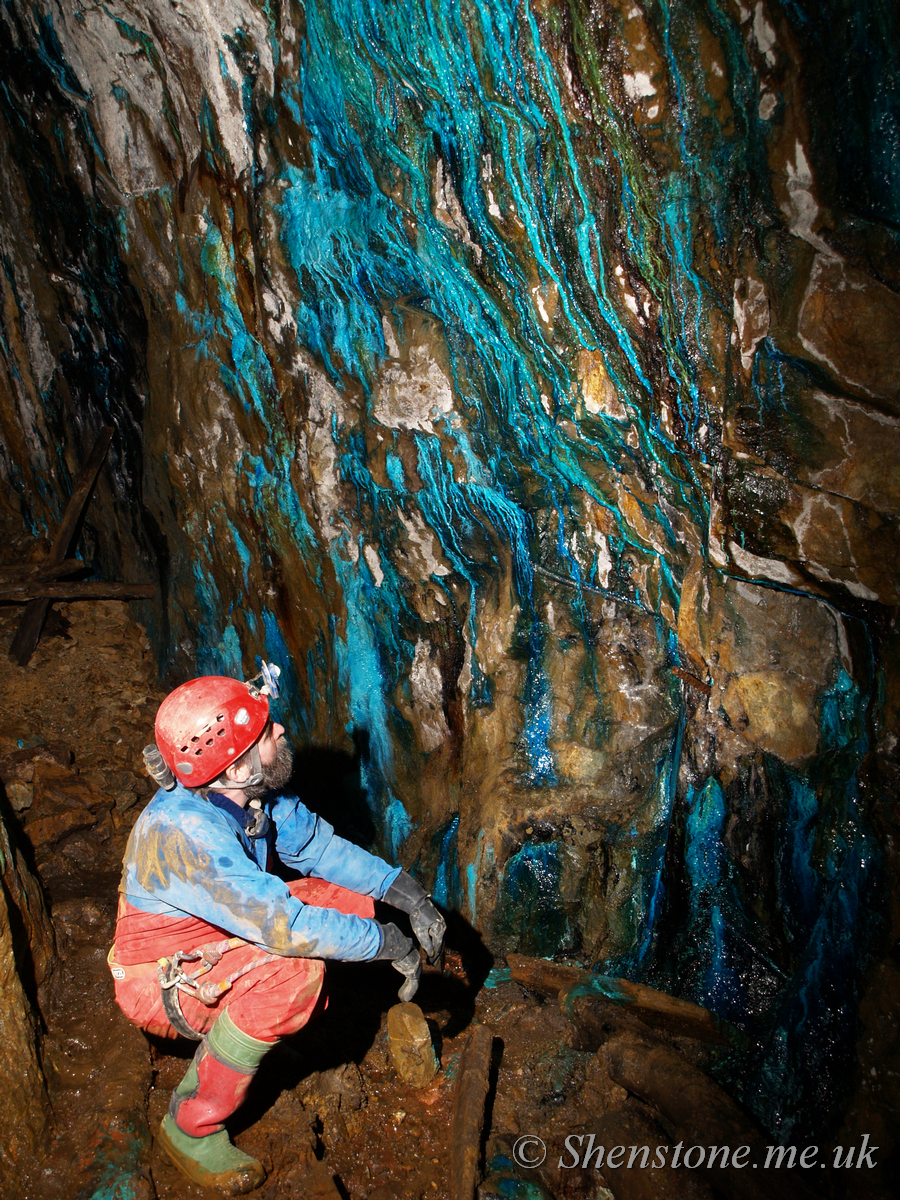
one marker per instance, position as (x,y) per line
(212,1161)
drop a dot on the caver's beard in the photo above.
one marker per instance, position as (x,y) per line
(276,775)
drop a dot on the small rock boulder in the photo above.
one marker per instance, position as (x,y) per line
(412,1050)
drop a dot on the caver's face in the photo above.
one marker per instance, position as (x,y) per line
(276,759)
(268,743)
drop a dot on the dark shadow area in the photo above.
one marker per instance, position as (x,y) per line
(351,1014)
(328,782)
(15,901)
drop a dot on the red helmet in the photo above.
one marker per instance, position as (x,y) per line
(207,724)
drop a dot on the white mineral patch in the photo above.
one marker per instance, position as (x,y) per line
(390,340)
(638,85)
(449,211)
(820,511)
(751,317)
(768,102)
(317,455)
(763,568)
(427,694)
(801,209)
(764,35)
(465,676)
(853,586)
(127,96)
(411,396)
(371,556)
(537,294)
(423,547)
(604,562)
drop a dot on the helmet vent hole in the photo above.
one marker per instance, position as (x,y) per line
(220,733)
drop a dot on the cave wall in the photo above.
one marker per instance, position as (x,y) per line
(522,378)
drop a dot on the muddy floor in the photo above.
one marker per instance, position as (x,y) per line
(328,1114)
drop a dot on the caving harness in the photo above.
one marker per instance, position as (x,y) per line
(173,979)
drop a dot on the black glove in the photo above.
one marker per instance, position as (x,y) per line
(397,948)
(428,925)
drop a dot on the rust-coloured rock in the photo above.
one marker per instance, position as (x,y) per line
(24,1105)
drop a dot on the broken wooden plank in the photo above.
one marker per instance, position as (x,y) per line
(542,976)
(590,1005)
(91,590)
(701,1114)
(19,572)
(590,1000)
(647,1175)
(466,1127)
(29,631)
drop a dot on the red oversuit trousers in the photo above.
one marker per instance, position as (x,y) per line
(268,1003)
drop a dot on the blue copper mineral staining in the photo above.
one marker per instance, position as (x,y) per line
(494,419)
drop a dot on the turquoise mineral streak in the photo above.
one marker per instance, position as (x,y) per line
(446,883)
(530,902)
(452,177)
(538,717)
(231,653)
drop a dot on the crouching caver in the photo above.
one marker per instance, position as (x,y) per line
(209,944)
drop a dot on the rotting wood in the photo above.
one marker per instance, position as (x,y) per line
(702,1114)
(16,573)
(651,1175)
(91,590)
(542,976)
(590,1001)
(467,1122)
(590,1005)
(29,631)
